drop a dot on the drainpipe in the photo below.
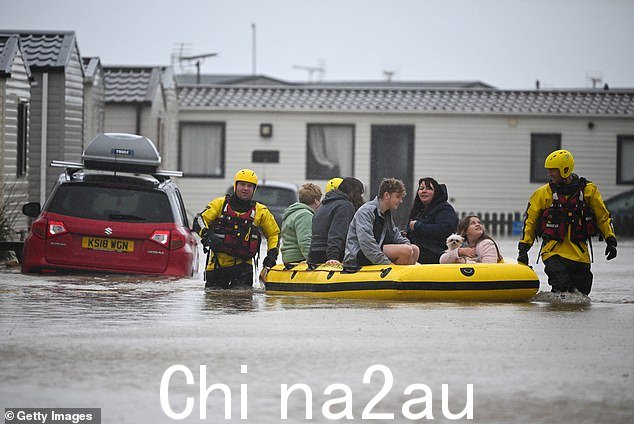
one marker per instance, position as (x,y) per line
(44,142)
(3,95)
(138,119)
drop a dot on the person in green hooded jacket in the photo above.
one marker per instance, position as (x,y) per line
(297,224)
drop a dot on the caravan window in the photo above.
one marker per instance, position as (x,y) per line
(541,146)
(202,149)
(625,160)
(330,151)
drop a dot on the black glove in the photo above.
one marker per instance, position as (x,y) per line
(209,239)
(198,224)
(522,256)
(204,236)
(271,258)
(610,249)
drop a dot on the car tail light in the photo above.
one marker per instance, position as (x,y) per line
(56,228)
(177,241)
(161,237)
(39,228)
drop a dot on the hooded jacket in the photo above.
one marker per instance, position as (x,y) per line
(434,224)
(297,227)
(330,226)
(367,237)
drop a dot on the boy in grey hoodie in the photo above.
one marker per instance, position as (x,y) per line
(373,238)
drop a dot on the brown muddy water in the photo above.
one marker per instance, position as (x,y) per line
(109,341)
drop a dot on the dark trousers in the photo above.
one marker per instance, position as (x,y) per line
(317,257)
(428,257)
(231,277)
(565,275)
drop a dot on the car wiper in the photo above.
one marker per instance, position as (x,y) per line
(125,217)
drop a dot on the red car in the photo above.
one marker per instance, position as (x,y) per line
(112,222)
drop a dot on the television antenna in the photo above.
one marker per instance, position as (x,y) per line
(595,78)
(388,74)
(180,49)
(312,69)
(198,58)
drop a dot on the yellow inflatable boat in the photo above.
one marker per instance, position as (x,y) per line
(503,282)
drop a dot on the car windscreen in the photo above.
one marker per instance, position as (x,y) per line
(621,203)
(111,203)
(275,196)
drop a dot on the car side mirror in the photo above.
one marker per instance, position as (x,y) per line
(31,209)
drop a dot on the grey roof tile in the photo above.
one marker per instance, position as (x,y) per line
(228,79)
(10,46)
(131,84)
(396,84)
(91,66)
(46,49)
(415,100)
(242,79)
(8,50)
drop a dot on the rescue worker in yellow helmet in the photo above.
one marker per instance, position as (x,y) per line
(566,213)
(333,184)
(231,231)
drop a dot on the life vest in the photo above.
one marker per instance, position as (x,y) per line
(568,212)
(238,236)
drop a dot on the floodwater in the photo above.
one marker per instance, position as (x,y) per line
(107,342)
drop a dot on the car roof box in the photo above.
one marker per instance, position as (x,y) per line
(122,152)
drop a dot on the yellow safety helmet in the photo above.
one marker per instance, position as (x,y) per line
(562,160)
(246,175)
(333,184)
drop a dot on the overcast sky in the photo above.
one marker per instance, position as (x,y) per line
(506,43)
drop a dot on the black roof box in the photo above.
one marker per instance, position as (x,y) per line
(122,152)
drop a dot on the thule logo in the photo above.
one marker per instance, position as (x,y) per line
(122,152)
(108,231)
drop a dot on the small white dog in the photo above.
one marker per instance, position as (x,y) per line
(454,241)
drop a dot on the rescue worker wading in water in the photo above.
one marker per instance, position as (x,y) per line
(566,213)
(231,232)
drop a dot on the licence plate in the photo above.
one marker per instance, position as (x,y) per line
(109,245)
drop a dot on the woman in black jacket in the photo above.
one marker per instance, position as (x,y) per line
(431,220)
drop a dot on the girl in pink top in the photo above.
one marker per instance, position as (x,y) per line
(481,247)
